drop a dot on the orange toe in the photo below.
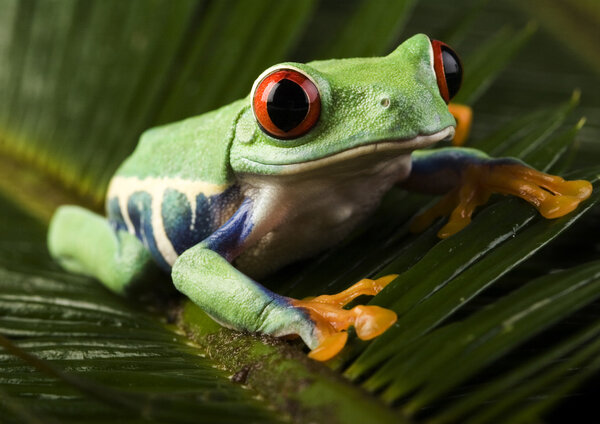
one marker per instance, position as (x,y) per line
(550,194)
(372,321)
(556,207)
(365,287)
(329,347)
(331,320)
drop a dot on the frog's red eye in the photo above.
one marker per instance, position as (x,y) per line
(286,104)
(448,69)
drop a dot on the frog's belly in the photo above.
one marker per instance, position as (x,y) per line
(320,213)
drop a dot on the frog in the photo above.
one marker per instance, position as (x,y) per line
(220,200)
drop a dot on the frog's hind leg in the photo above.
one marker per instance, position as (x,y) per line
(85,243)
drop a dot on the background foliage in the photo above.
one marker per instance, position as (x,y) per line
(499,323)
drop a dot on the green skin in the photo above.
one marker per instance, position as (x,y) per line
(295,197)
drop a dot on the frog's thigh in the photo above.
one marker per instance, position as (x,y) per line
(85,243)
(234,299)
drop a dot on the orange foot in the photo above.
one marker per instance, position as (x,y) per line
(552,196)
(332,321)
(464,117)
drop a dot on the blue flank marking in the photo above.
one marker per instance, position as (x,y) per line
(177,216)
(442,160)
(228,240)
(454,159)
(139,207)
(177,221)
(115,217)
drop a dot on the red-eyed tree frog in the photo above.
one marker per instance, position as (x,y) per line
(221,199)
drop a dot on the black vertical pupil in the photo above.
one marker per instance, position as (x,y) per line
(452,70)
(287,104)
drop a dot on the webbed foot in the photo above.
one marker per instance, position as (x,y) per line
(551,195)
(331,320)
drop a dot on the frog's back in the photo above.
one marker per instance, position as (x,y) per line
(193,149)
(176,187)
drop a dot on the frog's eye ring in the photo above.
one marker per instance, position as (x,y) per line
(448,69)
(286,104)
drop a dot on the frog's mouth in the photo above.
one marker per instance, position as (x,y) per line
(374,149)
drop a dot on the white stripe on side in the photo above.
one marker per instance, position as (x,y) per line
(124,187)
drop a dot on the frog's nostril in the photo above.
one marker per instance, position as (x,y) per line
(385,102)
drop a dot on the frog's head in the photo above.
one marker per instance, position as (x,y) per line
(305,116)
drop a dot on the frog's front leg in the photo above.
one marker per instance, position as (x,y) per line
(468,177)
(204,274)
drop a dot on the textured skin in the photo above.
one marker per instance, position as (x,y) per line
(352,114)
(193,149)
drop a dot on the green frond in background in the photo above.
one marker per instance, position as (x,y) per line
(497,324)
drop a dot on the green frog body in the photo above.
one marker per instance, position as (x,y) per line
(224,198)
